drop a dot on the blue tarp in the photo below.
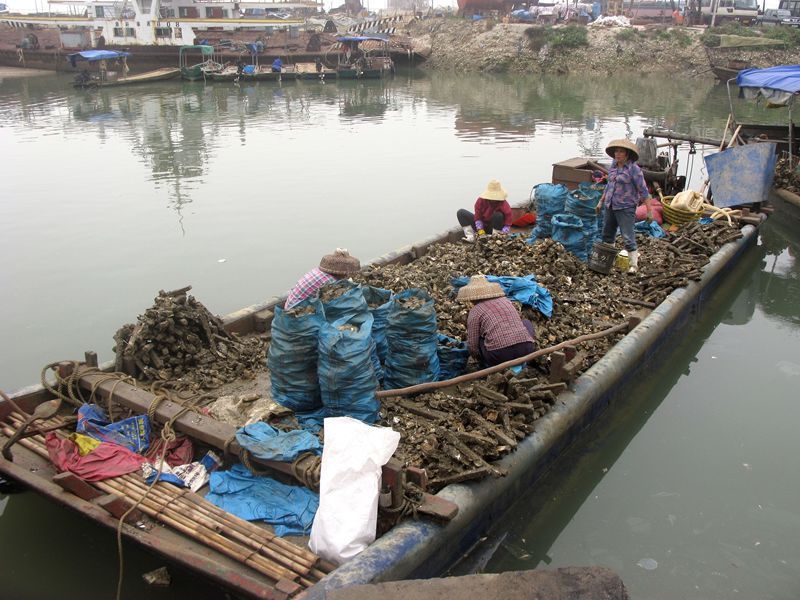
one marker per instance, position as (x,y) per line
(742,174)
(264,441)
(522,289)
(652,229)
(784,78)
(777,85)
(362,38)
(288,508)
(94,55)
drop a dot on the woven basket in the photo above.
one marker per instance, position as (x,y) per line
(678,216)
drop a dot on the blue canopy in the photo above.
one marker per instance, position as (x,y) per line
(361,38)
(777,85)
(93,55)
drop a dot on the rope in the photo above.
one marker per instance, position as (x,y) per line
(167,436)
(306,468)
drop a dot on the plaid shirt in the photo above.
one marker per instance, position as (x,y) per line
(498,323)
(308,286)
(625,187)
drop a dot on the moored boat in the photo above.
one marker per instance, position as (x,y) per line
(197,71)
(411,548)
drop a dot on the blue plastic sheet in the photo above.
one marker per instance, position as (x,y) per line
(652,229)
(133,432)
(292,357)
(522,289)
(380,299)
(264,441)
(453,357)
(742,174)
(411,335)
(290,509)
(347,377)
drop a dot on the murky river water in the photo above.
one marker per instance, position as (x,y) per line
(688,488)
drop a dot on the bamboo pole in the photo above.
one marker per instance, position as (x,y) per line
(207,538)
(434,385)
(252,534)
(275,548)
(200,532)
(171,505)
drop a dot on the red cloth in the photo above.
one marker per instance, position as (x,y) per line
(525,220)
(107,460)
(179,452)
(484,209)
(641,212)
(498,323)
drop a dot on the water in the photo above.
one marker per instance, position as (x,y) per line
(111,195)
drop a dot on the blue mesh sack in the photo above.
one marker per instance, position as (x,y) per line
(378,305)
(550,199)
(292,356)
(411,337)
(347,379)
(568,230)
(349,300)
(453,356)
(582,203)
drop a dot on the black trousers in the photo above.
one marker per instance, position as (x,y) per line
(467,219)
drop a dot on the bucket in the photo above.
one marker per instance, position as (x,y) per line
(623,261)
(602,257)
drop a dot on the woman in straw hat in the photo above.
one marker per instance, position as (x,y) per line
(495,331)
(491,212)
(625,189)
(332,267)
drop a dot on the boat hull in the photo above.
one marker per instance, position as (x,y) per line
(420,548)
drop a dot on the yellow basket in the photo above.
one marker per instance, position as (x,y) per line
(678,216)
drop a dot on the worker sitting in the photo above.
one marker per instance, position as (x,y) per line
(277,65)
(332,267)
(495,331)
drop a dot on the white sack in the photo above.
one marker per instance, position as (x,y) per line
(352,457)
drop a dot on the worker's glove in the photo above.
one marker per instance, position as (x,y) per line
(649,217)
(505,229)
(479,225)
(598,208)
(481,232)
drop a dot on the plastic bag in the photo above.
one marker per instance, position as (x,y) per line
(453,357)
(411,336)
(378,302)
(133,432)
(347,378)
(292,356)
(349,484)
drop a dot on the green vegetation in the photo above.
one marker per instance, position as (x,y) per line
(680,37)
(789,35)
(572,36)
(628,34)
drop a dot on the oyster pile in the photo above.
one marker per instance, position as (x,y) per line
(455,435)
(786,177)
(178,339)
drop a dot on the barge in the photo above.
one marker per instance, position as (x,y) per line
(252,562)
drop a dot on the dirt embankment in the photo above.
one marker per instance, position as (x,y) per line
(488,46)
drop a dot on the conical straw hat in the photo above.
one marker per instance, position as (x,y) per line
(622,143)
(479,288)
